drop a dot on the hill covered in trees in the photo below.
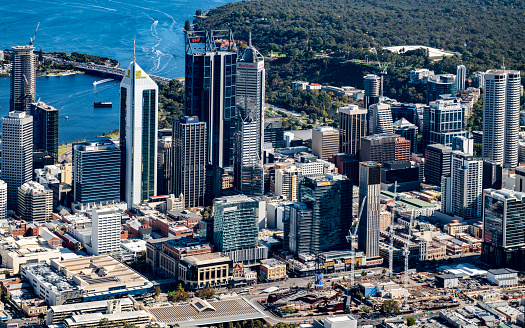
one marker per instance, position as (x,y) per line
(328,41)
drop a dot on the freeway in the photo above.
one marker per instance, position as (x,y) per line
(102,70)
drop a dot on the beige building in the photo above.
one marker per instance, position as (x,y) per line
(15,252)
(287,181)
(199,271)
(137,318)
(272,269)
(325,142)
(385,218)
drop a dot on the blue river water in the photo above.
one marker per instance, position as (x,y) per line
(98,27)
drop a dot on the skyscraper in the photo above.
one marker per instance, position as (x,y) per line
(105,236)
(446,120)
(380,119)
(96,172)
(443,84)
(17,153)
(330,200)
(501,121)
(352,127)
(372,86)
(463,188)
(138,135)
(189,160)
(369,187)
(287,182)
(408,131)
(35,202)
(274,131)
(461,75)
(325,142)
(22,79)
(437,163)
(503,238)
(210,81)
(165,166)
(298,227)
(45,129)
(248,142)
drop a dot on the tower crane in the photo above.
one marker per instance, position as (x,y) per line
(31,40)
(351,238)
(391,250)
(406,253)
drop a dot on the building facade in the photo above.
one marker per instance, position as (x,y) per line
(165,166)
(501,106)
(437,163)
(22,79)
(380,119)
(352,127)
(105,238)
(189,160)
(3,199)
(17,153)
(45,129)
(35,202)
(274,131)
(461,77)
(325,142)
(96,172)
(372,86)
(503,237)
(369,187)
(446,120)
(441,84)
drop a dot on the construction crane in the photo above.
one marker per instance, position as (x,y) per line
(406,253)
(351,238)
(382,70)
(391,250)
(34,36)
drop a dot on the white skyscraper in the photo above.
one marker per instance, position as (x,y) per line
(501,117)
(138,135)
(461,77)
(462,190)
(249,131)
(380,119)
(3,200)
(105,235)
(17,153)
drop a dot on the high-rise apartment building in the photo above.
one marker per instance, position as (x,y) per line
(210,82)
(384,147)
(138,135)
(3,200)
(236,222)
(274,131)
(501,117)
(45,129)
(96,172)
(105,236)
(461,191)
(461,77)
(249,123)
(22,79)
(189,160)
(369,187)
(35,202)
(442,84)
(329,199)
(325,142)
(503,238)
(17,153)
(380,119)
(437,163)
(352,127)
(408,131)
(446,120)
(287,182)
(372,86)
(165,166)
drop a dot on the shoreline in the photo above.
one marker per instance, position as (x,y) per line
(63,73)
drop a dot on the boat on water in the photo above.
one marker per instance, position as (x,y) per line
(67,117)
(102,104)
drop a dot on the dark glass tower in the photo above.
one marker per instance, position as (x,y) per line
(45,129)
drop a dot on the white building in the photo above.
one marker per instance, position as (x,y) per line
(138,135)
(18,251)
(420,75)
(462,190)
(503,277)
(501,116)
(287,182)
(461,77)
(380,117)
(105,237)
(3,199)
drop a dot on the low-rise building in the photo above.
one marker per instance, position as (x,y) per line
(58,313)
(447,281)
(199,271)
(18,251)
(139,318)
(503,277)
(272,270)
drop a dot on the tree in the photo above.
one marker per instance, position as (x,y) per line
(40,56)
(390,306)
(205,293)
(104,323)
(153,325)
(187,25)
(198,12)
(180,288)
(384,271)
(157,291)
(411,321)
(178,296)
(363,273)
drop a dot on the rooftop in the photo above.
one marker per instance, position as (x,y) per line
(209,258)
